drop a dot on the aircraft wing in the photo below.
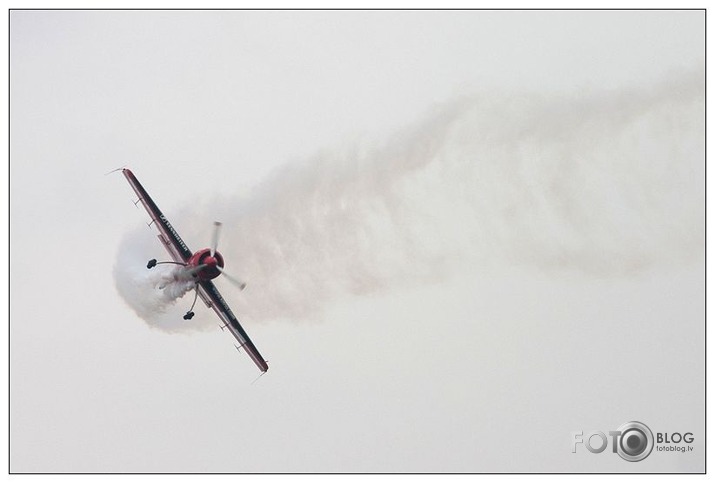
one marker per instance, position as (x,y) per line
(167,234)
(180,252)
(208,291)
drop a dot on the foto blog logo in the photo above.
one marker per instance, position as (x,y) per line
(633,441)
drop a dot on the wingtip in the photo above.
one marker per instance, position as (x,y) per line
(115,170)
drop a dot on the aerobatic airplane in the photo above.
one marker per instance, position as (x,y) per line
(200,267)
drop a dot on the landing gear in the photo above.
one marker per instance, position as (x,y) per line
(153,263)
(189,315)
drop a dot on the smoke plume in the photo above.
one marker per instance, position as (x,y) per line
(605,184)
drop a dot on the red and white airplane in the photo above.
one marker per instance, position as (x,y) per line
(201,267)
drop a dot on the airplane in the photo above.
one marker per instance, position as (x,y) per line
(201,267)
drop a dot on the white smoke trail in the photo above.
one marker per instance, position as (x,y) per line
(151,293)
(606,184)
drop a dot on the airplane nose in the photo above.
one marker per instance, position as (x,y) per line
(210,261)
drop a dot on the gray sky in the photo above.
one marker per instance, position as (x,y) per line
(466,236)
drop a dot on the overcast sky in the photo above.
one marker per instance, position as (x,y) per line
(466,235)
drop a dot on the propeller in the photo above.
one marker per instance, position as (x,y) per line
(197,269)
(189,272)
(214,245)
(214,242)
(238,283)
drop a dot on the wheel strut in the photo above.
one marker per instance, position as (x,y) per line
(190,313)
